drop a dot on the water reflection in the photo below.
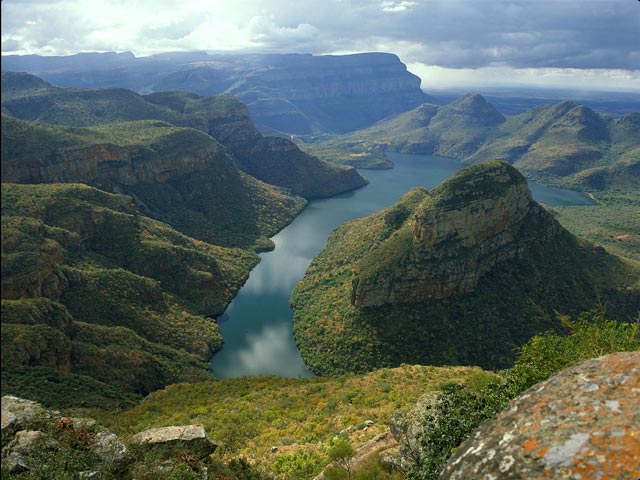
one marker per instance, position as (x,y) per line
(267,351)
(257,326)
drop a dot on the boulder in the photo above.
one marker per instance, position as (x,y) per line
(581,423)
(175,441)
(406,427)
(20,414)
(16,456)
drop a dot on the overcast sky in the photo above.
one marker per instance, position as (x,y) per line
(582,43)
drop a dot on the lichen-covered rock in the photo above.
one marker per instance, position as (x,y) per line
(168,442)
(581,423)
(20,414)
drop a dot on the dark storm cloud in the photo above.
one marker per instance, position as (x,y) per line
(583,34)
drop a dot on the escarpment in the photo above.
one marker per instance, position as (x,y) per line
(458,233)
(103,161)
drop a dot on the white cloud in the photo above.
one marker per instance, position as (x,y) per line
(393,6)
(434,77)
(520,34)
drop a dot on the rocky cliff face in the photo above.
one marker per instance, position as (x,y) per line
(460,231)
(275,160)
(580,423)
(105,163)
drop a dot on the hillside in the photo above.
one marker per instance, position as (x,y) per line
(93,290)
(177,175)
(566,142)
(290,93)
(273,160)
(458,275)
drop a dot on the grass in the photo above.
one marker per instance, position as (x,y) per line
(248,416)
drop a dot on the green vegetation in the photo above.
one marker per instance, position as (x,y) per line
(512,302)
(565,143)
(613,222)
(460,409)
(111,112)
(179,176)
(93,289)
(247,416)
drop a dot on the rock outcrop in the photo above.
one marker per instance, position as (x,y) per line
(460,232)
(581,423)
(168,442)
(48,445)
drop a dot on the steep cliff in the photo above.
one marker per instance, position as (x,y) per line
(275,161)
(457,275)
(178,175)
(285,93)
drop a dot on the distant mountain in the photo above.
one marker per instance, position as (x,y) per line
(292,93)
(274,160)
(564,141)
(457,275)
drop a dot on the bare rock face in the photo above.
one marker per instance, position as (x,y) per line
(126,165)
(461,230)
(168,441)
(581,423)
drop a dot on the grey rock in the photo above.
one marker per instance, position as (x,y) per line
(173,441)
(20,414)
(16,455)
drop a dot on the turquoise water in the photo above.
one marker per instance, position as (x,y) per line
(257,326)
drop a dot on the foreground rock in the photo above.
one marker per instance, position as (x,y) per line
(170,442)
(44,444)
(580,423)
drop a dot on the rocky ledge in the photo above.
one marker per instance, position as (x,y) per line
(581,423)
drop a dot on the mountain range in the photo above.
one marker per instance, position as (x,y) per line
(290,93)
(565,142)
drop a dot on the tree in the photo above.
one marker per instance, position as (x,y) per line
(341,454)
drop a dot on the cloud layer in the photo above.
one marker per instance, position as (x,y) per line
(573,34)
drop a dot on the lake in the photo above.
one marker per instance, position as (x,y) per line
(257,326)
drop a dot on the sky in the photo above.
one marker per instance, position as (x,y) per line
(448,43)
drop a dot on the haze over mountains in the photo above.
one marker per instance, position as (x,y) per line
(565,141)
(295,94)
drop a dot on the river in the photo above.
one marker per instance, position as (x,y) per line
(257,326)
